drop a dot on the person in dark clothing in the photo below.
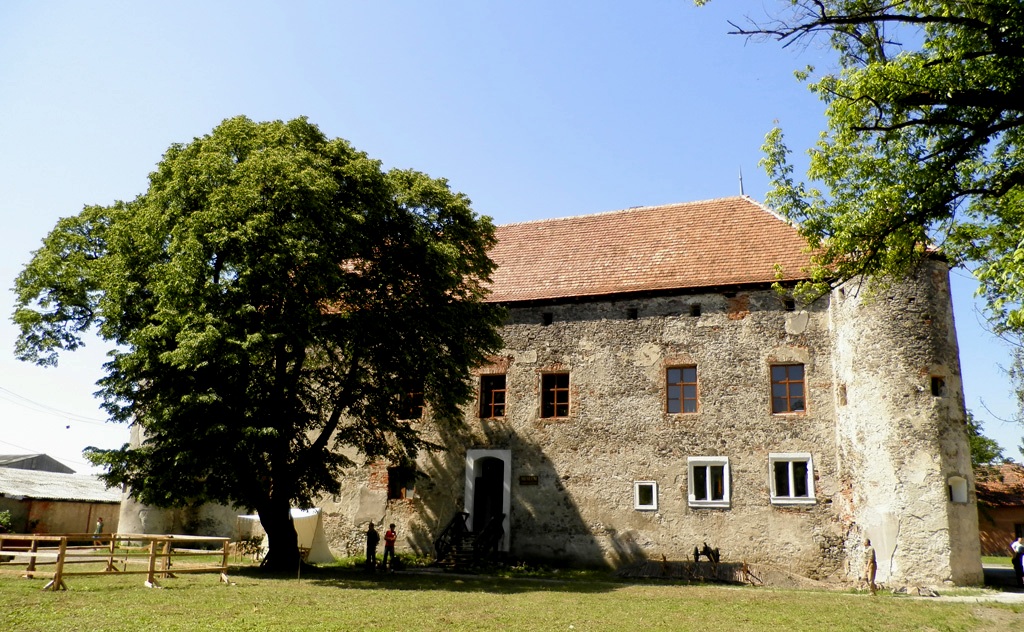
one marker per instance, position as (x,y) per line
(1017,548)
(372,539)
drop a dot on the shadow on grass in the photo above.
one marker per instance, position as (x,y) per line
(415,579)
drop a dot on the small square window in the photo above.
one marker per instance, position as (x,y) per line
(938,386)
(492,396)
(554,395)
(789,304)
(632,313)
(401,482)
(681,389)
(708,481)
(788,388)
(547,318)
(695,309)
(792,478)
(645,496)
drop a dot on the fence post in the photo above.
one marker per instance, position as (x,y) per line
(150,580)
(110,555)
(33,549)
(165,559)
(224,563)
(57,583)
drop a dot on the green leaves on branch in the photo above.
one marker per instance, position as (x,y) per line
(923,146)
(270,299)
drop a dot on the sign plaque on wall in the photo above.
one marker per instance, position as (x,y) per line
(528,480)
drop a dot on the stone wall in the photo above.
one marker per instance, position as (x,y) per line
(882,446)
(901,435)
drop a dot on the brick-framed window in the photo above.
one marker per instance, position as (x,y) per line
(708,481)
(788,392)
(411,406)
(681,389)
(791,478)
(554,395)
(492,396)
(401,482)
(645,496)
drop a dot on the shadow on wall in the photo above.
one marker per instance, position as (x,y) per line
(545,522)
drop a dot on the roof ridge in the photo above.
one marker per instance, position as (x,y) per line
(632,209)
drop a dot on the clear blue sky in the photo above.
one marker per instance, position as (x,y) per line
(534,109)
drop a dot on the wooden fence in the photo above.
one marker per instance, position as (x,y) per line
(120,553)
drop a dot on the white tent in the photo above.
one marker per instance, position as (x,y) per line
(309,526)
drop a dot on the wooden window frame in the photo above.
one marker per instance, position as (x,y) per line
(401,482)
(554,396)
(786,384)
(411,406)
(488,392)
(682,384)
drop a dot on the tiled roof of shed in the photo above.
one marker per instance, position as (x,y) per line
(1000,485)
(39,485)
(728,241)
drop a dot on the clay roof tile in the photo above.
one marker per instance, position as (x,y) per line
(727,241)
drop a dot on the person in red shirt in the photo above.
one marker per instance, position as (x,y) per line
(389,548)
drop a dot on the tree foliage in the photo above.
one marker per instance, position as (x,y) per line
(271,299)
(984,451)
(923,146)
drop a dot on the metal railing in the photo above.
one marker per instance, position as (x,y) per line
(452,535)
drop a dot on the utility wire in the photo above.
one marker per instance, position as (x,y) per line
(60,456)
(20,400)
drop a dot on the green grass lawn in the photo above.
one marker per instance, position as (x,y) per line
(340,598)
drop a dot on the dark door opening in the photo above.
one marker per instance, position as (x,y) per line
(487,491)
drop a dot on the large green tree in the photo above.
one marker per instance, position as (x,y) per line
(271,299)
(923,146)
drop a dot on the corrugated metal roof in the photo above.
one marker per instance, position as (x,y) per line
(41,462)
(15,483)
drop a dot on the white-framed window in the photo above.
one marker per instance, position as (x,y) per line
(645,496)
(791,478)
(708,481)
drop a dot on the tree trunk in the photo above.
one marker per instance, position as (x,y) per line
(283,552)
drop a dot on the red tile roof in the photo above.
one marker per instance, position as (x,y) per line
(1000,485)
(728,241)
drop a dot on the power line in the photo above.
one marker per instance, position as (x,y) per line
(24,402)
(60,456)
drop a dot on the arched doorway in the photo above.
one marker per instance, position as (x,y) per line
(488,486)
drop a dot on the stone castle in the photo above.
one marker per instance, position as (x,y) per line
(655,393)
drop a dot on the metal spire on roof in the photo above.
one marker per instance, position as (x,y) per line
(741,180)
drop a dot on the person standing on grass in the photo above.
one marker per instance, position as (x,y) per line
(870,566)
(372,539)
(1017,547)
(389,548)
